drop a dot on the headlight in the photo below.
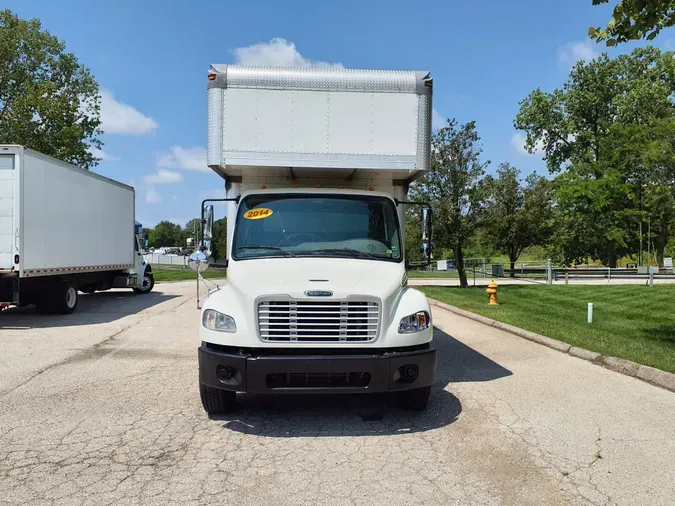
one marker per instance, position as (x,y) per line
(414,323)
(213,320)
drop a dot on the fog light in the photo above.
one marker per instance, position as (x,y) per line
(410,372)
(223,372)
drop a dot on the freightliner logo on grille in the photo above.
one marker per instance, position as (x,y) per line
(318,293)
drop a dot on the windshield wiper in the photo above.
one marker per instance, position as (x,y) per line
(350,251)
(272,248)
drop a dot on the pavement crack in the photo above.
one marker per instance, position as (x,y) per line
(92,349)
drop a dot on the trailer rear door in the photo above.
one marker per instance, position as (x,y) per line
(8,176)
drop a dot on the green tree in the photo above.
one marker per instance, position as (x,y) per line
(584,131)
(166,233)
(192,228)
(516,216)
(48,101)
(645,157)
(219,243)
(453,187)
(634,20)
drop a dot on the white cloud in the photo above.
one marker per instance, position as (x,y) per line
(99,153)
(572,52)
(518,143)
(184,158)
(120,118)
(152,197)
(163,176)
(277,52)
(437,120)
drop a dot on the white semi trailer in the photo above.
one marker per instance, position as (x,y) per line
(317,164)
(64,229)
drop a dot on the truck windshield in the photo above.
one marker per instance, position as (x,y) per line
(317,225)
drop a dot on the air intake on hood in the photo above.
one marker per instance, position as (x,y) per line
(318,321)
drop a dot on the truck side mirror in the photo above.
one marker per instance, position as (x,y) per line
(207,230)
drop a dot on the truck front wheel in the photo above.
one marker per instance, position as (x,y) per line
(415,400)
(216,401)
(147,284)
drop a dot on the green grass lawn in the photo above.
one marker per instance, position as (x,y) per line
(163,275)
(632,322)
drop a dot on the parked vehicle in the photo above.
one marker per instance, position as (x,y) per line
(317,164)
(64,229)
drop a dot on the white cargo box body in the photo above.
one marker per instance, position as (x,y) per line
(61,219)
(318,122)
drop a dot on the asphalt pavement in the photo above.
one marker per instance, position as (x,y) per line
(102,407)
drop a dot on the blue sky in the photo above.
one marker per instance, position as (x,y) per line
(151,57)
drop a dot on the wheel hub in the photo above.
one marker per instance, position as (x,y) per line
(71,297)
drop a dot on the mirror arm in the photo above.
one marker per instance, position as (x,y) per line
(235,199)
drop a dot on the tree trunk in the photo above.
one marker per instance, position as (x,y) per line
(459,260)
(660,253)
(660,244)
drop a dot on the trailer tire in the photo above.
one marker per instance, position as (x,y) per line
(216,401)
(415,400)
(148,284)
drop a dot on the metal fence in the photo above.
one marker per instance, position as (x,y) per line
(544,272)
(169,260)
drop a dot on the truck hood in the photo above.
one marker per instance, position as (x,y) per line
(295,276)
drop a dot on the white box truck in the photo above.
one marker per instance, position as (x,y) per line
(317,164)
(64,229)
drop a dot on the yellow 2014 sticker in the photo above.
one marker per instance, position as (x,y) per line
(258,214)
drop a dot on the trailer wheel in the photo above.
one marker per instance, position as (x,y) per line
(148,284)
(415,400)
(217,401)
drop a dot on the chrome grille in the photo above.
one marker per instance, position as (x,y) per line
(318,321)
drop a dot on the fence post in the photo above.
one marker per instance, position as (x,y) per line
(651,279)
(567,278)
(549,272)
(609,275)
(484,274)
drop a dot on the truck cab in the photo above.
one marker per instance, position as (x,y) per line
(316,299)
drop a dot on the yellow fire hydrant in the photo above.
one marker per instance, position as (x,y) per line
(492,293)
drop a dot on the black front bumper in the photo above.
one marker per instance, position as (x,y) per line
(316,371)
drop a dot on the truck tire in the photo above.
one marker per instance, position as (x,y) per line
(217,401)
(61,298)
(415,400)
(147,285)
